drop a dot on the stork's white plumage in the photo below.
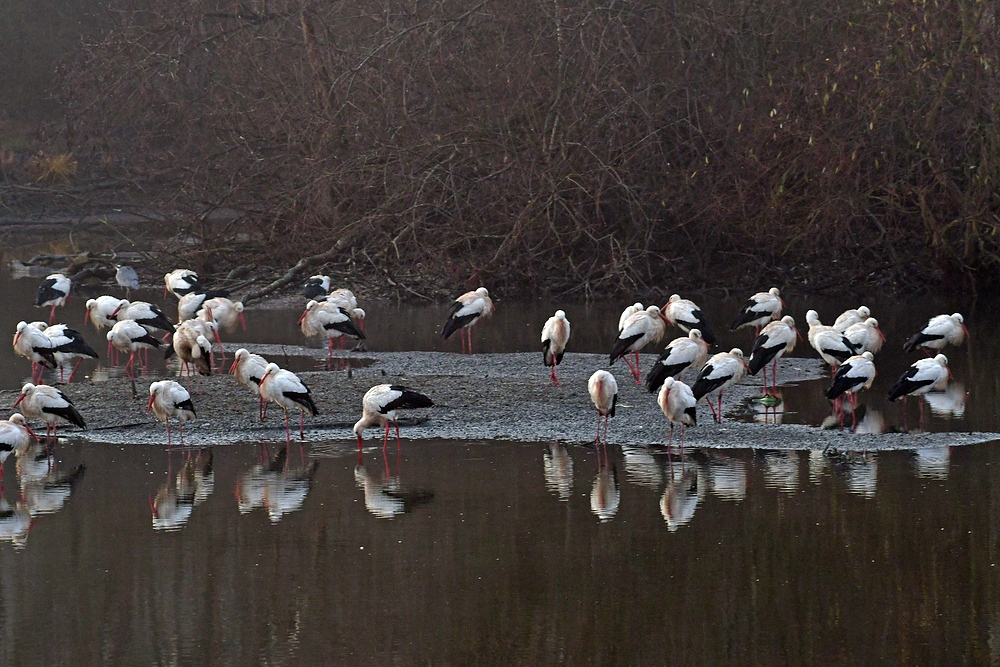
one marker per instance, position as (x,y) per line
(831,344)
(48,404)
(681,353)
(35,346)
(555,335)
(678,404)
(130,336)
(342,297)
(686,315)
(225,312)
(940,331)
(684,490)
(249,369)
(855,374)
(865,336)
(381,404)
(322,318)
(851,316)
(167,400)
(721,372)
(193,348)
(180,282)
(640,330)
(759,309)
(147,314)
(773,342)
(603,390)
(53,292)
(67,344)
(15,438)
(465,311)
(921,377)
(101,311)
(629,312)
(290,393)
(316,286)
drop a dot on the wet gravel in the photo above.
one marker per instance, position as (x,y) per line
(477,398)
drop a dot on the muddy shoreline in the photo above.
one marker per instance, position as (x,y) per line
(477,398)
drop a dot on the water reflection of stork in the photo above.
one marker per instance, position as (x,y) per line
(685,490)
(932,462)
(605,494)
(176,499)
(558,470)
(781,470)
(385,496)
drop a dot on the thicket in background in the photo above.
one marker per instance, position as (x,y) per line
(582,147)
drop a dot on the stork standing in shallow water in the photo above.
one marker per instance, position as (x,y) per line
(855,374)
(54,291)
(67,344)
(940,331)
(759,310)
(774,341)
(831,344)
(15,438)
(465,312)
(35,346)
(380,406)
(321,318)
(603,390)
(169,399)
(555,335)
(130,336)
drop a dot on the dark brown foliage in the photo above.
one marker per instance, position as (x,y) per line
(581,147)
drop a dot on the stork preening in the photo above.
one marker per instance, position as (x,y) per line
(851,316)
(381,405)
(721,372)
(855,374)
(67,344)
(35,346)
(290,393)
(147,314)
(180,282)
(130,336)
(53,292)
(772,343)
(168,399)
(831,344)
(921,377)
(686,315)
(940,331)
(679,405)
(193,349)
(321,318)
(865,336)
(681,353)
(249,369)
(102,313)
(641,329)
(189,304)
(603,390)
(759,309)
(316,287)
(48,404)
(555,335)
(226,313)
(465,312)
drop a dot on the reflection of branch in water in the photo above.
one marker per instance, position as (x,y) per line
(558,469)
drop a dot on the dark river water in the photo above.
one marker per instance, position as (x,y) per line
(513,553)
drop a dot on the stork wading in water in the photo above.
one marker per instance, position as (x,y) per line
(773,342)
(679,405)
(67,344)
(169,399)
(682,353)
(322,318)
(721,372)
(640,330)
(53,292)
(759,310)
(941,330)
(921,377)
(855,374)
(833,347)
(380,406)
(50,405)
(555,335)
(290,393)
(15,438)
(130,336)
(465,311)
(686,315)
(603,390)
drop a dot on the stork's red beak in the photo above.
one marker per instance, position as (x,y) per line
(880,334)
(17,337)
(86,316)
(30,432)
(150,405)
(966,331)
(232,369)
(18,401)
(799,334)
(303,316)
(114,314)
(243,322)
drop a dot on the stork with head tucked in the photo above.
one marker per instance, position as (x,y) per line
(678,404)
(640,329)
(316,287)
(321,318)
(465,311)
(721,372)
(686,315)
(855,374)
(774,341)
(940,331)
(682,353)
(603,390)
(54,291)
(555,335)
(851,316)
(180,282)
(761,308)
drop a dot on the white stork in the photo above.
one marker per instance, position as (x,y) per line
(226,313)
(48,404)
(249,369)
(142,312)
(865,336)
(290,393)
(855,374)
(465,311)
(851,316)
(169,399)
(721,372)
(315,287)
(759,309)
(180,282)
(629,312)
(35,346)
(193,349)
(53,292)
(381,404)
(921,377)
(603,390)
(130,336)
(678,404)
(15,438)
(831,344)
(67,344)
(681,353)
(941,330)
(774,341)
(686,315)
(321,318)
(555,335)
(102,311)
(640,329)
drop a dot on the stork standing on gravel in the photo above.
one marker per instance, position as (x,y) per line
(761,308)
(940,331)
(855,374)
(555,335)
(169,399)
(682,353)
(381,404)
(686,315)
(465,311)
(35,346)
(721,372)
(774,341)
(290,393)
(48,404)
(623,318)
(53,292)
(678,404)
(640,330)
(603,390)
(249,369)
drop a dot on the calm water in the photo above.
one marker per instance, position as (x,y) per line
(510,553)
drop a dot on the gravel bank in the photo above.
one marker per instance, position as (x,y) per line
(478,397)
